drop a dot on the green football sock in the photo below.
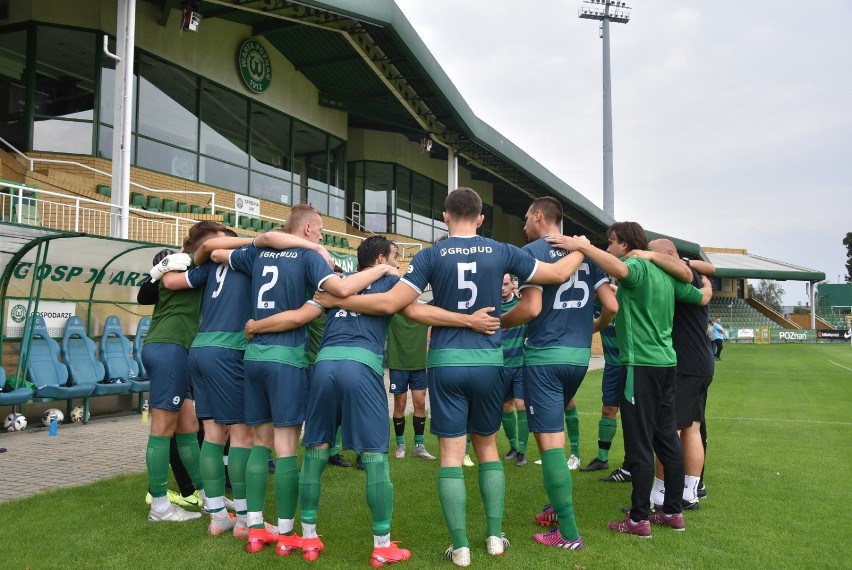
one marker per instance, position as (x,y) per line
(338,438)
(572,424)
(523,431)
(237,459)
(557,483)
(157,460)
(287,486)
(316,458)
(467,449)
(257,479)
(606,432)
(492,487)
(453,496)
(190,452)
(212,469)
(510,427)
(379,491)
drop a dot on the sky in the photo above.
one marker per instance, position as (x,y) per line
(732,121)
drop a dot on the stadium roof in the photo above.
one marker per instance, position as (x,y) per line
(366,59)
(684,248)
(744,265)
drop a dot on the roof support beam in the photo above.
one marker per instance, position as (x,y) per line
(168,6)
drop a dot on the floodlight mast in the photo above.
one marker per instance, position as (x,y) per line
(606,11)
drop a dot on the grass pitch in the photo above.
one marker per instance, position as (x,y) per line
(777,477)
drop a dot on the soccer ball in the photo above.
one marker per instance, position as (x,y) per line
(77,414)
(45,417)
(14,422)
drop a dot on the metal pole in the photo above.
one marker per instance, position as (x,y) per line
(452,170)
(813,304)
(117,113)
(608,185)
(129,48)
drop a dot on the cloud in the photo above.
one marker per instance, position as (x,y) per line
(731,120)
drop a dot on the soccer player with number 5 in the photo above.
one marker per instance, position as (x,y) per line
(465,368)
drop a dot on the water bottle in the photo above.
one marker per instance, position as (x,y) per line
(53,425)
(144,418)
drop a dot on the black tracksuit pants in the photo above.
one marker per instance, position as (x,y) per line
(649,427)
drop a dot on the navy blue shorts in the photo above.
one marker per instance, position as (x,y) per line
(548,389)
(401,381)
(612,385)
(166,364)
(514,379)
(218,384)
(275,392)
(350,394)
(466,399)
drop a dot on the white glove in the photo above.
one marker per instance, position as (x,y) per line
(173,262)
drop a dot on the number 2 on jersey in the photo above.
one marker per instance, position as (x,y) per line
(267,270)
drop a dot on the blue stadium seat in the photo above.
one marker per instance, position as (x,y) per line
(141,384)
(13,396)
(116,353)
(43,367)
(78,354)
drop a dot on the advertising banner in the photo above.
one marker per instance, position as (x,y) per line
(349,263)
(55,313)
(247,207)
(834,334)
(797,335)
(745,334)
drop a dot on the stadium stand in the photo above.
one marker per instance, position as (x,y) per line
(836,320)
(736,314)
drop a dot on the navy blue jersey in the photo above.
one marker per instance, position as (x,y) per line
(609,342)
(280,281)
(466,274)
(355,336)
(513,338)
(225,307)
(566,317)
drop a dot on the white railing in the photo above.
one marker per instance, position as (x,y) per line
(67,217)
(32,160)
(25,205)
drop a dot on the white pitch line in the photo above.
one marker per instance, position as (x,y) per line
(779,420)
(741,418)
(840,365)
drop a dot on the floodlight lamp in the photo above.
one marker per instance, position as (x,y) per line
(191,17)
(190,21)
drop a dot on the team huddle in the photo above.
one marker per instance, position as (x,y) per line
(230,322)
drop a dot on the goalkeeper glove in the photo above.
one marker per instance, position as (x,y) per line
(173,262)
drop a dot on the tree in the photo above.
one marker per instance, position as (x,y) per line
(769,293)
(847,241)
